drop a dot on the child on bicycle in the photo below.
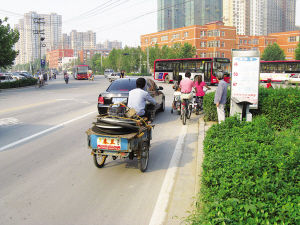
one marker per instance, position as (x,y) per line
(177,93)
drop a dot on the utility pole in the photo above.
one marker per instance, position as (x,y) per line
(148,60)
(39,32)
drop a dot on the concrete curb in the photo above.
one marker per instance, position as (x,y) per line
(202,128)
(200,153)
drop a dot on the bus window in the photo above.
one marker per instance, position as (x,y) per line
(207,72)
(280,68)
(199,67)
(191,66)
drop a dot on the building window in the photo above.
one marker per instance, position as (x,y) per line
(175,36)
(154,40)
(216,33)
(146,40)
(223,55)
(245,41)
(203,44)
(164,38)
(186,34)
(241,42)
(292,39)
(223,33)
(203,33)
(222,44)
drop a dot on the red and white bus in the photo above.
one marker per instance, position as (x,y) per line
(81,72)
(278,71)
(168,70)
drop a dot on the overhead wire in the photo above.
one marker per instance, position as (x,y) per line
(93,11)
(138,17)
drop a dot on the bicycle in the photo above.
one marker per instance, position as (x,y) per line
(39,83)
(186,109)
(199,104)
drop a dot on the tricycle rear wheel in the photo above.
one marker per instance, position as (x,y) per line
(144,157)
(99,160)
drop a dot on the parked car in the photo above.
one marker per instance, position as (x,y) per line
(118,91)
(6,78)
(26,74)
(108,72)
(17,76)
(294,79)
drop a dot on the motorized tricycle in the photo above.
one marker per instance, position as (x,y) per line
(119,134)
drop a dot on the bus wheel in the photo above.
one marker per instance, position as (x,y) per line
(167,79)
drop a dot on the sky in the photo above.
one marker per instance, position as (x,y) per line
(122,20)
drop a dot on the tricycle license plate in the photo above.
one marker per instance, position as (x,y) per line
(105,143)
(119,100)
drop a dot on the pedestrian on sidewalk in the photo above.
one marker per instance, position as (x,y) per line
(221,96)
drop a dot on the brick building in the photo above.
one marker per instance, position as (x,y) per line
(216,40)
(86,55)
(54,57)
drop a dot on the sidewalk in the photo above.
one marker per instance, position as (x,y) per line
(187,184)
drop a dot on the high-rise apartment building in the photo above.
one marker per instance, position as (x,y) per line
(259,17)
(174,14)
(66,41)
(82,40)
(109,45)
(29,44)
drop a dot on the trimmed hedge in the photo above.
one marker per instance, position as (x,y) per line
(279,105)
(137,74)
(250,174)
(18,83)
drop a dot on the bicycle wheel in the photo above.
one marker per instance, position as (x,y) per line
(189,112)
(144,157)
(183,114)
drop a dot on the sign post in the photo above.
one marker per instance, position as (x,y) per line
(244,82)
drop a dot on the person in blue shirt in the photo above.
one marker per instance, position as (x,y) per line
(138,97)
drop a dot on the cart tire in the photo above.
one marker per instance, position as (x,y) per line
(143,161)
(99,160)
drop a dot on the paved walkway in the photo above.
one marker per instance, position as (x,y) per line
(187,184)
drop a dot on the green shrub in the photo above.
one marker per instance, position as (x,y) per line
(250,174)
(18,83)
(210,110)
(138,74)
(280,106)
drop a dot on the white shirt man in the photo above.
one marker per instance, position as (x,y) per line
(138,97)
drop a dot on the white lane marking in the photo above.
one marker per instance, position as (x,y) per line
(5,122)
(44,131)
(160,210)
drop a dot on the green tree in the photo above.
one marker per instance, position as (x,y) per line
(273,52)
(8,37)
(297,52)
(187,51)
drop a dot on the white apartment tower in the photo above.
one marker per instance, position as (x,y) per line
(28,44)
(260,17)
(235,13)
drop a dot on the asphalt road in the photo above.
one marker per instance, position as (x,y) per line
(46,171)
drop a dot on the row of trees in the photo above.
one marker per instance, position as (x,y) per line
(135,59)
